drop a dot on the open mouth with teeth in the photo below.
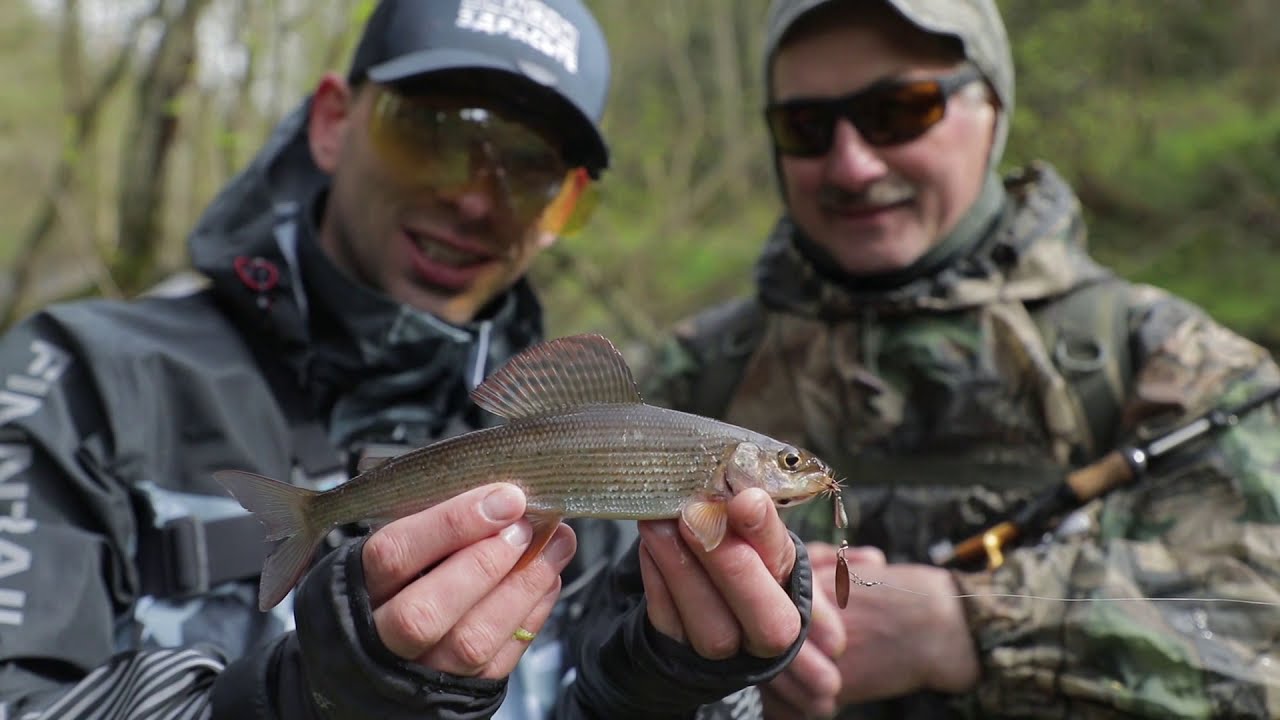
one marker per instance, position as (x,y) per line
(447,254)
(444,264)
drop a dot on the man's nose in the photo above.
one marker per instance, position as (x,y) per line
(851,162)
(475,202)
(484,195)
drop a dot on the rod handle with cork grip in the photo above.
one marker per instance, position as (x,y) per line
(1115,469)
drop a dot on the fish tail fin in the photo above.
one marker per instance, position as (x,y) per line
(285,566)
(286,512)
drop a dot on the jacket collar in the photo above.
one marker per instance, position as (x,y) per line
(1028,246)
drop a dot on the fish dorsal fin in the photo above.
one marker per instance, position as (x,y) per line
(558,375)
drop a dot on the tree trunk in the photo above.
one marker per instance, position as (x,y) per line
(148,142)
(84,107)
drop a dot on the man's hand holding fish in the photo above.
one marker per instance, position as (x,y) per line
(441,584)
(730,599)
(811,685)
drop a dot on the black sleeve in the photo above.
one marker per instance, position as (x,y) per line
(66,532)
(334,666)
(624,668)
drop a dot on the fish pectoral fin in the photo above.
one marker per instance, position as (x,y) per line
(707,519)
(544,526)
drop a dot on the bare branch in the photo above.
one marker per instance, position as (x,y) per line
(682,153)
(88,252)
(625,314)
(729,90)
(143,167)
(235,114)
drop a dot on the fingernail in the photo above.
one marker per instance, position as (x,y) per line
(559,549)
(518,534)
(502,505)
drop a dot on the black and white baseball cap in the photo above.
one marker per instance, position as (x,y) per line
(555,45)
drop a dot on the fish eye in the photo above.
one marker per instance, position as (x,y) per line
(789,459)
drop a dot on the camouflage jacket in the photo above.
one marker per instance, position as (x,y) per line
(948,401)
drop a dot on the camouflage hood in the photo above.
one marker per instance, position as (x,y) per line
(1035,249)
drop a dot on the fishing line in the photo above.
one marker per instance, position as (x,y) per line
(845,577)
(855,579)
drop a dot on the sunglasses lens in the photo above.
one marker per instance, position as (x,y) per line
(901,113)
(448,146)
(884,115)
(802,128)
(411,139)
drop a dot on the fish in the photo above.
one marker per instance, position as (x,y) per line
(578,440)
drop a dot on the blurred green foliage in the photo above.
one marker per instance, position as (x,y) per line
(1168,121)
(1165,115)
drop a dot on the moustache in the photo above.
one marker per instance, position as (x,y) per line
(890,191)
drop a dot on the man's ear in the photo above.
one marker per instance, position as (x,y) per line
(331,107)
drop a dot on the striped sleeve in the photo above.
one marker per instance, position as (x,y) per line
(170,684)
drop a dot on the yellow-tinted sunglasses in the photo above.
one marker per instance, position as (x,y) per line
(448,144)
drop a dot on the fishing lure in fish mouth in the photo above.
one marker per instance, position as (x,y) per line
(578,440)
(844,577)
(842,564)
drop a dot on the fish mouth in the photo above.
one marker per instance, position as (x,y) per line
(816,484)
(829,484)
(822,477)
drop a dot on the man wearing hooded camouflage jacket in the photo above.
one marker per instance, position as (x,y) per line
(944,340)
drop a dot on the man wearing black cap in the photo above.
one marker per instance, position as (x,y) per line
(940,335)
(363,274)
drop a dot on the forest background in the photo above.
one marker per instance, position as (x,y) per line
(119,120)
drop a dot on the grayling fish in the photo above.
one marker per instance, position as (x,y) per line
(578,441)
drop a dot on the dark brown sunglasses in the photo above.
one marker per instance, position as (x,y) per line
(889,112)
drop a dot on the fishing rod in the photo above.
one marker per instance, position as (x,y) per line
(1115,469)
